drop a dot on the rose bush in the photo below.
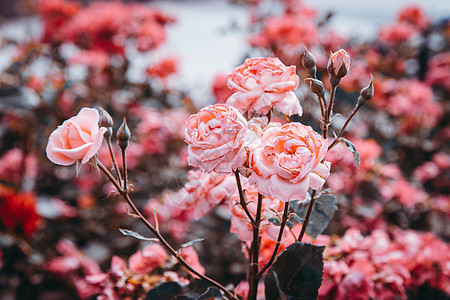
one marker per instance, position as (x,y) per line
(77,139)
(262,83)
(215,136)
(288,161)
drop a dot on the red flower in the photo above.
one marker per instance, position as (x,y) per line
(18,211)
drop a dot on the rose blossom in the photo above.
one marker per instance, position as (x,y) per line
(78,138)
(262,83)
(215,136)
(289,161)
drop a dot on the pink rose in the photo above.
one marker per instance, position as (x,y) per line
(215,136)
(78,138)
(289,161)
(262,83)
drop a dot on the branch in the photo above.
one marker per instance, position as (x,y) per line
(158,235)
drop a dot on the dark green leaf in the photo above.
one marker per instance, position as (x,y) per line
(324,207)
(165,291)
(211,293)
(353,150)
(136,235)
(275,221)
(297,273)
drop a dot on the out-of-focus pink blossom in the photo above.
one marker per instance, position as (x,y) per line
(262,83)
(190,256)
(409,100)
(396,33)
(150,258)
(243,289)
(426,171)
(438,70)
(54,14)
(91,58)
(220,88)
(16,167)
(414,15)
(163,69)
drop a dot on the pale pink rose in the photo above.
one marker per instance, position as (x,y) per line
(289,161)
(77,139)
(150,258)
(262,83)
(215,136)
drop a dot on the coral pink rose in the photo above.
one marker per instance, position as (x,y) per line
(289,161)
(215,136)
(77,139)
(262,83)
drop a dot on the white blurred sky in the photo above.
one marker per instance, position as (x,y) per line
(210,38)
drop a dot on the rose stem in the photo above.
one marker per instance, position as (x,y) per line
(308,215)
(158,235)
(341,132)
(242,197)
(280,235)
(254,264)
(113,158)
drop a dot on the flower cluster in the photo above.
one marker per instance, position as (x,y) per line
(383,267)
(120,280)
(103,26)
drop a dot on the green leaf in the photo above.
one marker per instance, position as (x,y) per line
(296,274)
(274,220)
(324,207)
(136,235)
(165,291)
(353,150)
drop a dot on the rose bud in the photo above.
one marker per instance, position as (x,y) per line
(123,135)
(316,86)
(338,64)
(309,63)
(366,93)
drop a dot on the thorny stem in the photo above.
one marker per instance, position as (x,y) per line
(341,132)
(308,215)
(242,198)
(254,258)
(113,158)
(158,235)
(277,246)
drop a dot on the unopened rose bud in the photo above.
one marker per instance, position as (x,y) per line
(106,121)
(123,135)
(366,93)
(309,63)
(338,64)
(316,86)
